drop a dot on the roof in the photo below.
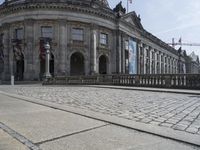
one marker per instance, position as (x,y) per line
(194,57)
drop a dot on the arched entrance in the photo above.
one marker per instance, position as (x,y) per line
(103,65)
(19,60)
(77,66)
(51,67)
(20,69)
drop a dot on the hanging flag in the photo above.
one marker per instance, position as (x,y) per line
(129,1)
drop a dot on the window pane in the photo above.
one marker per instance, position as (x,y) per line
(126,45)
(19,34)
(77,34)
(47,32)
(103,39)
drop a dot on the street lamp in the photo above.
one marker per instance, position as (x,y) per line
(47,74)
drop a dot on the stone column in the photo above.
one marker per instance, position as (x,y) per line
(62,47)
(47,60)
(166,65)
(155,65)
(177,66)
(123,57)
(150,60)
(171,65)
(94,51)
(29,71)
(174,66)
(6,41)
(161,67)
(145,59)
(169,61)
(139,58)
(118,53)
(12,63)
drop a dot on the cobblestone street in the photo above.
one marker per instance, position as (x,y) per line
(177,111)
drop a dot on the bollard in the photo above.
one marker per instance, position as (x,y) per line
(12,80)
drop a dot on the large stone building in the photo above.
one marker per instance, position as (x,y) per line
(86,36)
(193,64)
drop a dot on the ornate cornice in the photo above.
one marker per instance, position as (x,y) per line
(11,9)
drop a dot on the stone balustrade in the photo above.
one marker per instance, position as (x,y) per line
(185,81)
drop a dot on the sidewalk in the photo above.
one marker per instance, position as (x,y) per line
(33,126)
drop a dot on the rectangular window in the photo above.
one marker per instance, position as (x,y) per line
(126,45)
(19,34)
(153,55)
(47,32)
(103,39)
(141,51)
(165,59)
(162,59)
(77,34)
(158,57)
(147,53)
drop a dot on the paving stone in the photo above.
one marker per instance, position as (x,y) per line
(187,123)
(154,122)
(180,127)
(160,119)
(166,125)
(146,120)
(172,121)
(142,106)
(192,130)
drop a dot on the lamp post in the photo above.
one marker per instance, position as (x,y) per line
(47,74)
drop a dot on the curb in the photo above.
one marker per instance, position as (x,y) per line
(145,89)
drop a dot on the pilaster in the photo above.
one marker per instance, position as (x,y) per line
(6,41)
(161,63)
(94,50)
(119,49)
(123,59)
(145,59)
(151,59)
(62,47)
(29,71)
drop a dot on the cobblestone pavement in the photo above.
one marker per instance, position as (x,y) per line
(177,111)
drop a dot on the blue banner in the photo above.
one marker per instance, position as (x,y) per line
(132,57)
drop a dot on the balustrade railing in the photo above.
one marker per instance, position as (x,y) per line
(189,81)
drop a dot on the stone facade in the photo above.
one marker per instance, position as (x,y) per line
(86,38)
(193,64)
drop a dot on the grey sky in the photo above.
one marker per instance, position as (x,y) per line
(169,18)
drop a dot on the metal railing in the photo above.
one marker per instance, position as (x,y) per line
(188,81)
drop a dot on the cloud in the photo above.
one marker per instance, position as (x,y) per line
(181,27)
